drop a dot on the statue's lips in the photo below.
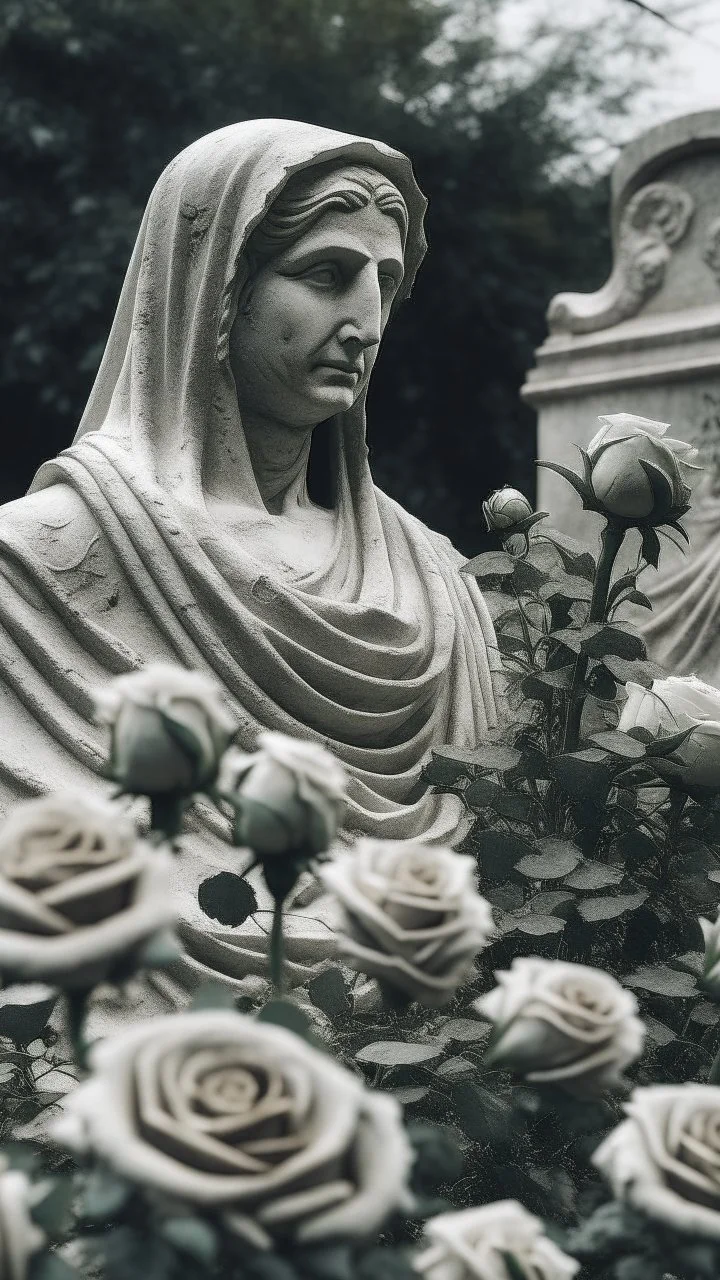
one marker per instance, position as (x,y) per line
(350,371)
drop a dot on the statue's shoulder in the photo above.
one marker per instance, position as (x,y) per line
(52,519)
(440,543)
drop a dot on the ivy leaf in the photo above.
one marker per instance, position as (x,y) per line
(283,1013)
(593,910)
(594,875)
(483,793)
(227,898)
(499,851)
(663,981)
(583,773)
(539,926)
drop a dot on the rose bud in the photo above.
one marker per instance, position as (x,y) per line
(20,1237)
(562,1024)
(663,1159)
(620,482)
(497,1241)
(505,508)
(81,895)
(671,705)
(413,917)
(169,729)
(289,795)
(711,963)
(245,1121)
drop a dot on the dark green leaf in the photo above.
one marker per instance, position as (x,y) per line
(527,578)
(54,1212)
(465,1029)
(495,755)
(406,1095)
(616,639)
(593,910)
(557,858)
(552,902)
(601,684)
(584,774)
(637,597)
(398,1053)
(50,1266)
(491,564)
(651,547)
(620,744)
(575,557)
(482,1115)
(212,995)
(192,1236)
(331,1261)
(542,684)
(104,1194)
(539,926)
(664,746)
(499,851)
(577,482)
(575,637)
(447,766)
(662,981)
(635,846)
(566,587)
(227,898)
(283,1013)
(621,584)
(594,875)
(328,992)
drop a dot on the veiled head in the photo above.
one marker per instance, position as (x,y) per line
(322,271)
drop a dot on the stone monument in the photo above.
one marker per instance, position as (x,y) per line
(648,342)
(200,518)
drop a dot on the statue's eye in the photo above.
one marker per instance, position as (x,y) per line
(325,273)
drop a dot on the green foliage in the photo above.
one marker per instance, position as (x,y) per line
(227,898)
(98,95)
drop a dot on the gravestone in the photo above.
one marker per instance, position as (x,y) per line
(648,341)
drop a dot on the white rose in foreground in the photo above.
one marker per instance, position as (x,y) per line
(290,794)
(562,1024)
(413,916)
(246,1120)
(79,891)
(475,1244)
(664,1159)
(620,481)
(20,1237)
(673,704)
(169,729)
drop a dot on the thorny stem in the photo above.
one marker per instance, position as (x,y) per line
(76,1002)
(610,543)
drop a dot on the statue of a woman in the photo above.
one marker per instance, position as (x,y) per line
(183,523)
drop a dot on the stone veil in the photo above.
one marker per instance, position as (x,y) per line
(113,559)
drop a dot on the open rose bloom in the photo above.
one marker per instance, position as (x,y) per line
(665,1158)
(562,1024)
(79,891)
(671,705)
(476,1244)
(413,916)
(246,1120)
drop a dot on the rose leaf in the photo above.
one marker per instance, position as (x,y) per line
(539,926)
(192,1236)
(482,1115)
(499,851)
(227,898)
(490,564)
(54,1213)
(104,1195)
(398,1053)
(594,875)
(283,1013)
(50,1266)
(25,1010)
(662,981)
(556,859)
(593,910)
(328,992)
(467,1029)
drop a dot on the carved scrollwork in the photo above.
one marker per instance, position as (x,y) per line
(654,221)
(711,249)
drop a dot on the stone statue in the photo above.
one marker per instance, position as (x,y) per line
(200,518)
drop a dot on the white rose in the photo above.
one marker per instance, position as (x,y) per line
(20,1237)
(673,704)
(413,916)
(711,962)
(664,1159)
(79,891)
(244,1119)
(291,795)
(619,480)
(475,1244)
(562,1024)
(169,728)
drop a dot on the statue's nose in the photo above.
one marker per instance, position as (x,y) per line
(362,325)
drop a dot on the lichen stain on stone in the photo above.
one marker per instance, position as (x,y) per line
(200,218)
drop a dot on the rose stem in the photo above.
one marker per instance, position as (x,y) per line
(276,947)
(610,543)
(166,814)
(76,1000)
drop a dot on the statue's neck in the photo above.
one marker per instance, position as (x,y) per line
(279,457)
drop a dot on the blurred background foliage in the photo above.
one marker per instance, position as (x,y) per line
(97,95)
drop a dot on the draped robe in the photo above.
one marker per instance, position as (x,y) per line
(112,560)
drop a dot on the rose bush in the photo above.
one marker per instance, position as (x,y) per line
(169,729)
(246,1120)
(562,1024)
(637,471)
(79,891)
(664,1159)
(289,795)
(20,1237)
(505,508)
(671,705)
(412,916)
(485,1243)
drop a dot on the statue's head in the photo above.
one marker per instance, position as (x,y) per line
(322,270)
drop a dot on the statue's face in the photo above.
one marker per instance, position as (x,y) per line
(304,348)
